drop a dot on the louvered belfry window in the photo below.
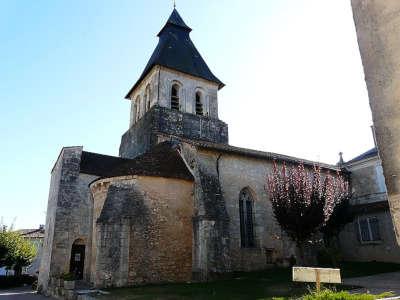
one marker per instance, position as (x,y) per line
(246,219)
(175,97)
(199,104)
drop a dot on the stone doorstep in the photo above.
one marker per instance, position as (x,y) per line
(89,294)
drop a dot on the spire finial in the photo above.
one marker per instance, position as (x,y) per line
(174,4)
(341,161)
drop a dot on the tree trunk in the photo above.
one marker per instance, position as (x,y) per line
(17,270)
(331,245)
(300,256)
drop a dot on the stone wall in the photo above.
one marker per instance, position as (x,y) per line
(137,97)
(366,178)
(157,87)
(189,86)
(237,173)
(386,250)
(161,121)
(211,221)
(369,199)
(219,178)
(143,230)
(69,209)
(98,195)
(377,24)
(44,269)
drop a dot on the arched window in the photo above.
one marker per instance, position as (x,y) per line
(199,104)
(138,110)
(147,97)
(175,97)
(246,219)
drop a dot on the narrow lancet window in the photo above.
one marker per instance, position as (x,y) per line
(199,104)
(175,97)
(147,97)
(138,110)
(246,219)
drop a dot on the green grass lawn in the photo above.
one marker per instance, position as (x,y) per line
(255,285)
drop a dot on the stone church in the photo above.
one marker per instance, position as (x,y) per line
(178,203)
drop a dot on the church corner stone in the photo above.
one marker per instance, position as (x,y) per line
(377,25)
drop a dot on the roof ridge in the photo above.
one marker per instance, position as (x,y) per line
(367,154)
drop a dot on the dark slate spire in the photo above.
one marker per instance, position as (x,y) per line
(175,20)
(175,50)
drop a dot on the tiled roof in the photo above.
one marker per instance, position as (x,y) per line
(261,154)
(370,153)
(370,207)
(175,50)
(99,164)
(162,160)
(32,233)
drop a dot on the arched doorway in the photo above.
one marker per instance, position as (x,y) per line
(77,262)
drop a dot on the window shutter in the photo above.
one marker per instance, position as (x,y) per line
(374,225)
(365,235)
(357,231)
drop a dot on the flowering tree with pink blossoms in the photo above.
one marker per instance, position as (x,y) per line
(303,201)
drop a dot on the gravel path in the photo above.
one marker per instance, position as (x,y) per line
(21,293)
(376,284)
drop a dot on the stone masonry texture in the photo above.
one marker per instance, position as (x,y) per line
(143,230)
(69,208)
(377,25)
(164,121)
(155,88)
(369,200)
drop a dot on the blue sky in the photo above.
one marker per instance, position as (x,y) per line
(294,81)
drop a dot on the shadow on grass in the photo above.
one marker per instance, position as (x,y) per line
(266,284)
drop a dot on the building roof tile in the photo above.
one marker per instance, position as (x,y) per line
(175,50)
(370,153)
(162,160)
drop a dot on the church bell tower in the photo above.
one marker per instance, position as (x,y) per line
(176,96)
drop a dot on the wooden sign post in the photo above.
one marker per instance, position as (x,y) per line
(317,275)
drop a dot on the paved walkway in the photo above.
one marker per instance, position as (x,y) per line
(21,293)
(376,284)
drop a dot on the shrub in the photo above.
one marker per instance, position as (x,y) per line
(329,257)
(67,277)
(35,285)
(15,251)
(327,294)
